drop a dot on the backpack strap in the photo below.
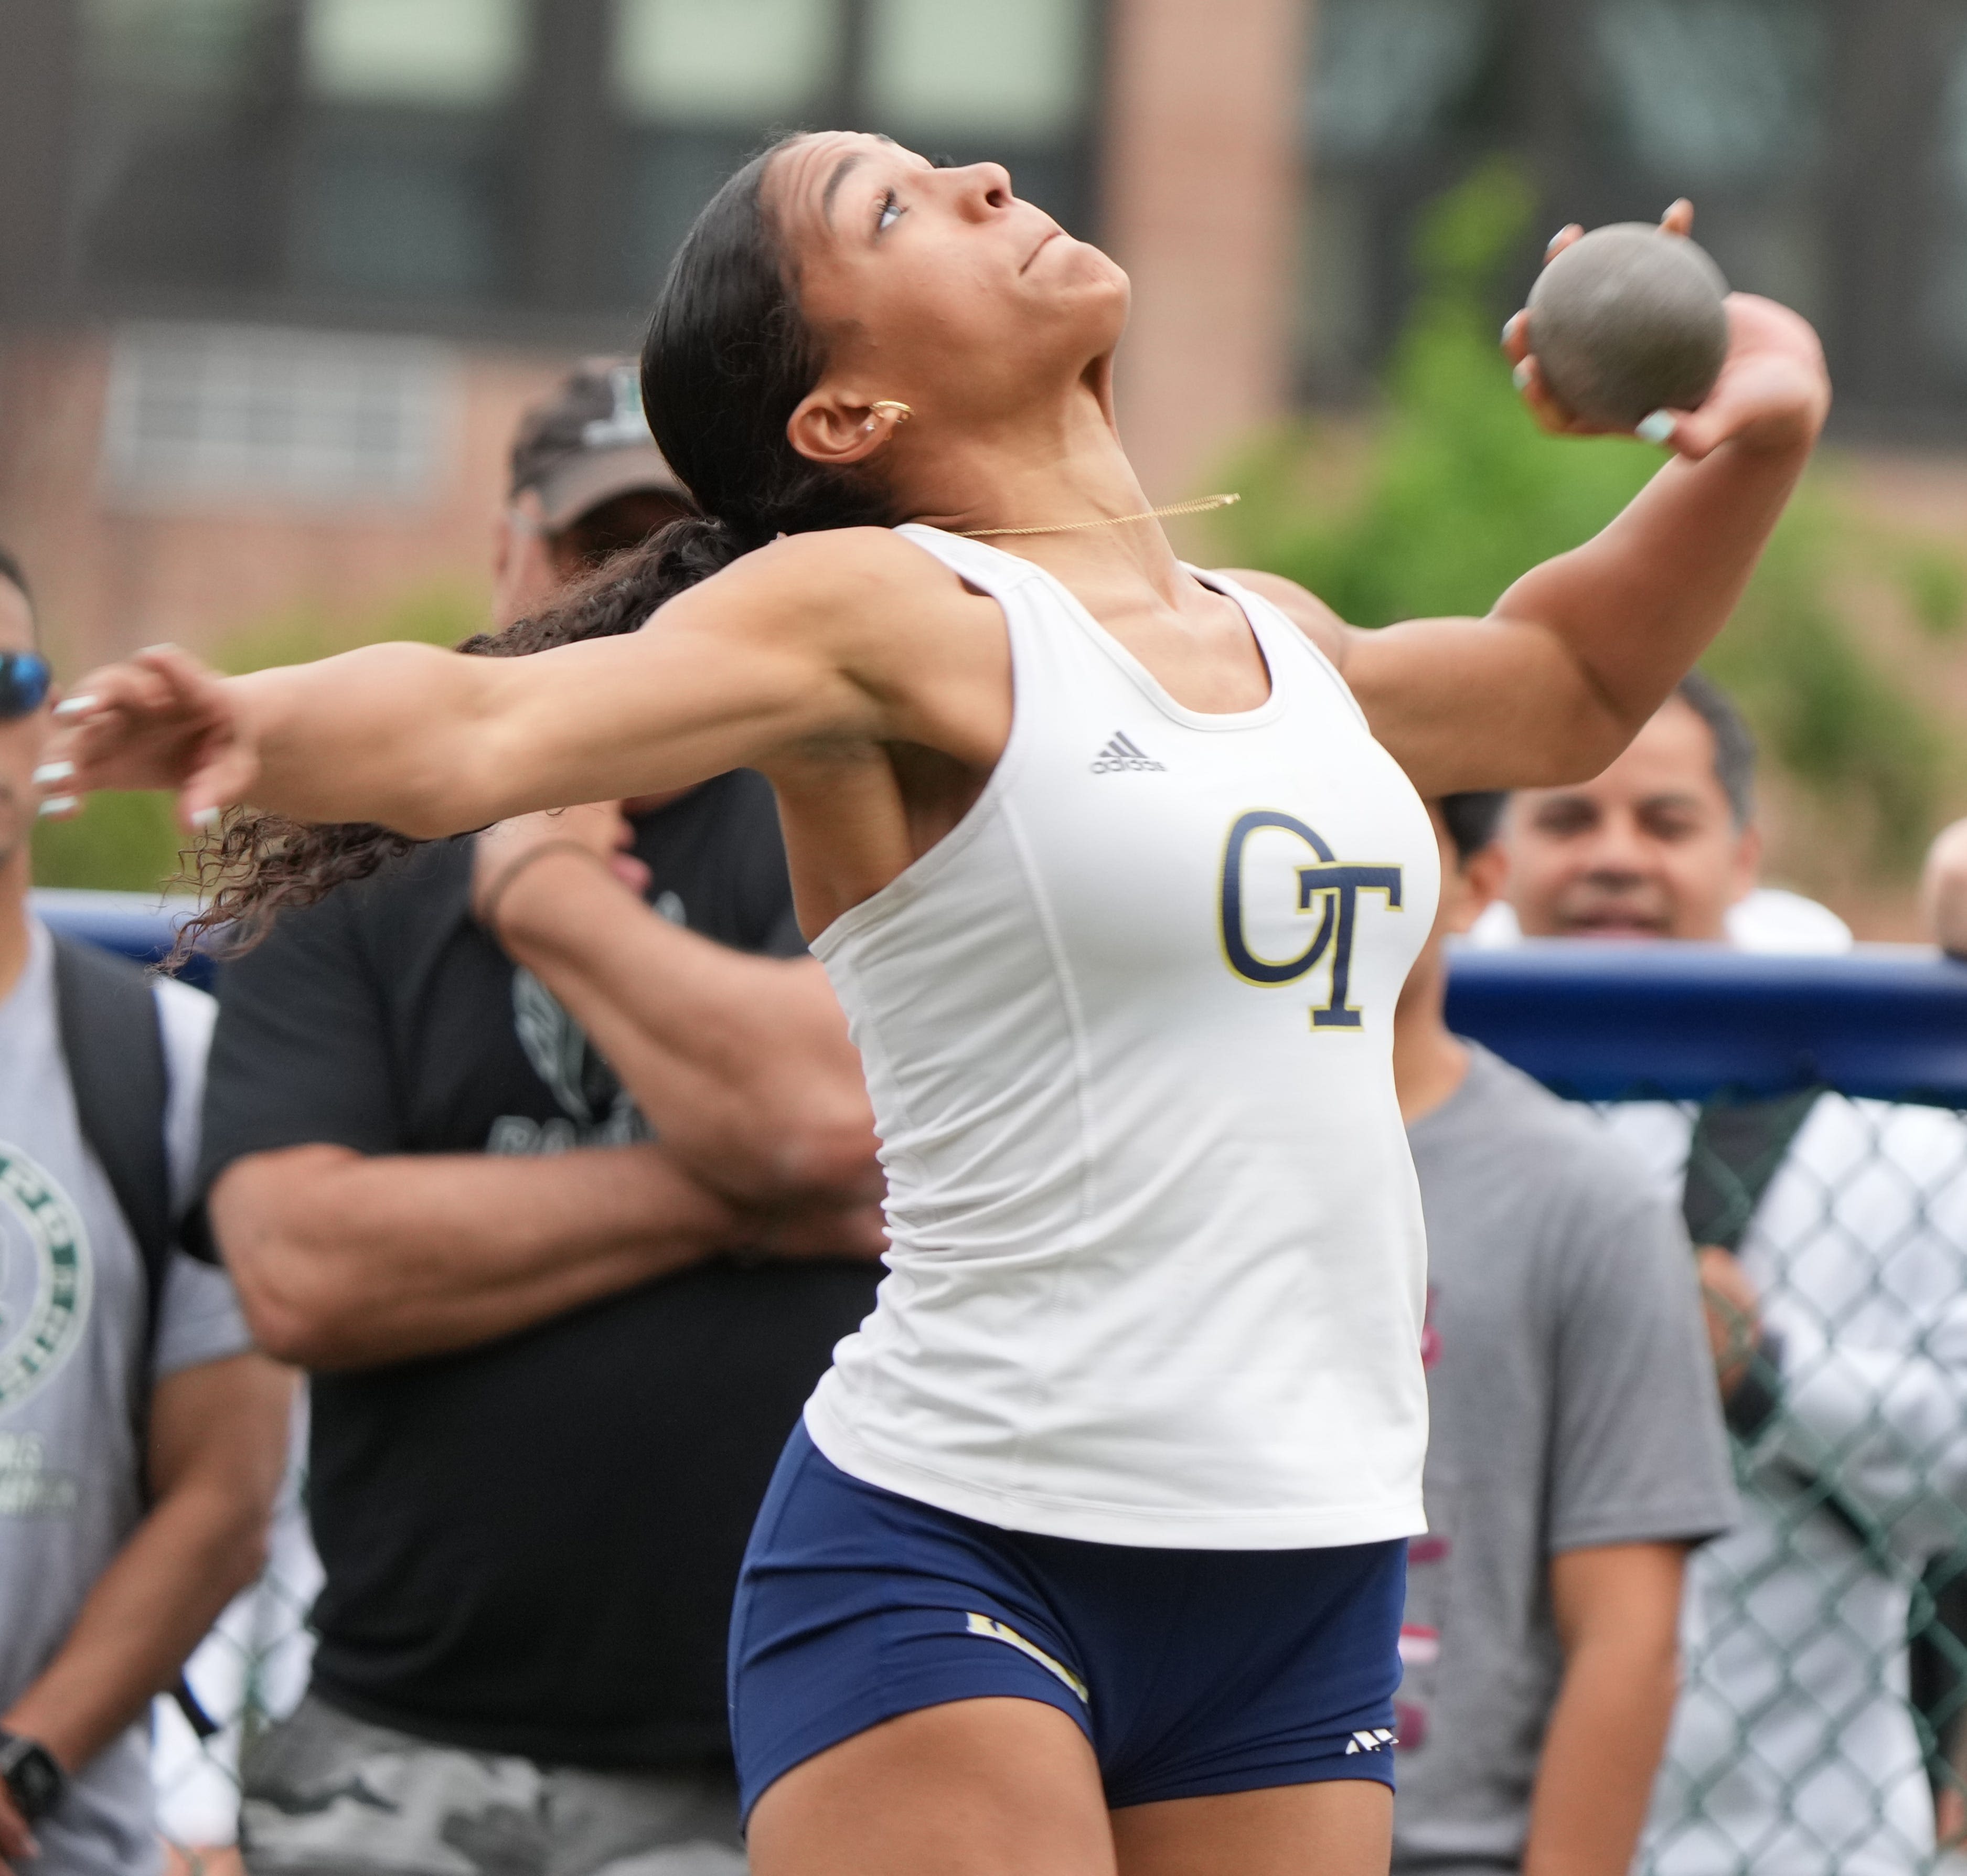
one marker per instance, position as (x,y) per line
(1738,1148)
(114,1042)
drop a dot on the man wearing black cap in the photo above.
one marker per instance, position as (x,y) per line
(559,1320)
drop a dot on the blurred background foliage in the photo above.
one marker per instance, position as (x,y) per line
(131,843)
(1454,492)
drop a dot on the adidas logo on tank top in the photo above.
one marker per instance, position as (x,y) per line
(1123,753)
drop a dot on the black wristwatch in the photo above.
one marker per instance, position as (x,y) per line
(35,1781)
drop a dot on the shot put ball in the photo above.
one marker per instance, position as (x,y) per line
(1627,321)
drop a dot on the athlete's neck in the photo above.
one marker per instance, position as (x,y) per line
(1060,463)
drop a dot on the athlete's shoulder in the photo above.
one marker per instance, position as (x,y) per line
(830,558)
(860,575)
(1310,614)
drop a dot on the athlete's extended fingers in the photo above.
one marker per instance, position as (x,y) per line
(1571,231)
(1516,337)
(1679,217)
(190,689)
(1773,393)
(96,752)
(1550,415)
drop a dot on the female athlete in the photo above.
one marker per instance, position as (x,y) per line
(1088,1555)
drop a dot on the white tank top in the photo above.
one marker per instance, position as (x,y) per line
(1157,1273)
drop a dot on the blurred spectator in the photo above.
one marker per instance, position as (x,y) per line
(554,1357)
(1635,855)
(587,480)
(1834,1261)
(1942,889)
(140,1441)
(1577,1449)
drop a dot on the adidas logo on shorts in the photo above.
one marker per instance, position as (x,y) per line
(1375,1740)
(1121,754)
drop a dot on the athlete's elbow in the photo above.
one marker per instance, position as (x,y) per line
(1577,749)
(834,1159)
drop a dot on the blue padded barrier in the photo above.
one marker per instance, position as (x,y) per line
(1600,1020)
(135,925)
(1595,1021)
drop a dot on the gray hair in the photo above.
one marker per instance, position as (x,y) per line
(1734,742)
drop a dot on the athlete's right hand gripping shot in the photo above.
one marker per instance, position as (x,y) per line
(1088,1556)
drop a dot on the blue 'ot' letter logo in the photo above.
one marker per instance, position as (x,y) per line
(1336,886)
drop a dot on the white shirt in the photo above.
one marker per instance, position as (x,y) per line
(73,1372)
(1157,1273)
(1793,1746)
(1769,919)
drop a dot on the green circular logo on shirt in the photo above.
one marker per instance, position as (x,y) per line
(44,1276)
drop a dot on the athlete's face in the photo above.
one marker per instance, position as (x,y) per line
(937,288)
(1649,850)
(22,738)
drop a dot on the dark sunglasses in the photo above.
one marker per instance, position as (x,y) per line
(24,678)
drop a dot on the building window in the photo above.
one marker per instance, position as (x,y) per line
(1394,76)
(170,187)
(1398,100)
(444,54)
(1011,82)
(1726,101)
(403,181)
(203,414)
(699,85)
(1715,92)
(181,48)
(724,62)
(1946,295)
(1016,69)
(462,164)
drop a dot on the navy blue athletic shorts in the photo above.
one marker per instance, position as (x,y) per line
(1191,1672)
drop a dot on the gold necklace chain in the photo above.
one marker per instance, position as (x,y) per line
(1110,521)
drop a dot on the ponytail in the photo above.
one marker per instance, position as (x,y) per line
(728,359)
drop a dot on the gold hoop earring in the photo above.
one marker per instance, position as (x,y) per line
(888,407)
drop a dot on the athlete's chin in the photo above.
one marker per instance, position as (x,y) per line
(1092,296)
(1066,265)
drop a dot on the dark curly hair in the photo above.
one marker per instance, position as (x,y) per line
(727,358)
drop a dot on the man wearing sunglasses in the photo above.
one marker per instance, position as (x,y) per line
(141,1441)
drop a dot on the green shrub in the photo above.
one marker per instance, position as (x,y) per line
(118,843)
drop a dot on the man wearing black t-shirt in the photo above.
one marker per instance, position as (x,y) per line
(555,1345)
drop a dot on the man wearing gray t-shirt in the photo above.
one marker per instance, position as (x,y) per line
(1576,1451)
(141,1441)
